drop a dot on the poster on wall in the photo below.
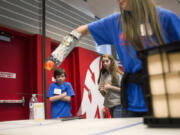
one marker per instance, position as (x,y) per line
(92,100)
(7,75)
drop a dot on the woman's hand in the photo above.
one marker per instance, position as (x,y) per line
(107,86)
(101,87)
(104,88)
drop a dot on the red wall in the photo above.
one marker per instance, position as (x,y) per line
(23,56)
(14,57)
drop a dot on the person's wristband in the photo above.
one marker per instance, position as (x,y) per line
(76,34)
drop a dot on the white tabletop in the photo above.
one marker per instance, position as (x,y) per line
(120,126)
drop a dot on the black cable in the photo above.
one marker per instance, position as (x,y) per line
(44,53)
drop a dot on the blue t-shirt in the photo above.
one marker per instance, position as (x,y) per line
(60,108)
(108,31)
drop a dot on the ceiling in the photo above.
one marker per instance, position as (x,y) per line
(102,8)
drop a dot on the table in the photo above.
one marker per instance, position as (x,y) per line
(115,126)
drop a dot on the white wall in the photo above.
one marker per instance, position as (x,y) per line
(61,18)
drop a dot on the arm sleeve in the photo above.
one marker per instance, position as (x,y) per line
(102,30)
(119,78)
(70,91)
(50,91)
(173,27)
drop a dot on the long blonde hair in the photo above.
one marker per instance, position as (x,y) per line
(141,12)
(113,68)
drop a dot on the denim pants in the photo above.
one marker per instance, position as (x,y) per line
(118,112)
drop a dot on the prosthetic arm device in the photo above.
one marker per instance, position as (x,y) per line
(62,51)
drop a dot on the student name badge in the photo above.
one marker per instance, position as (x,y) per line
(57,91)
(143,31)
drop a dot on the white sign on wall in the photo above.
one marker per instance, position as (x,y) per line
(7,75)
(53,79)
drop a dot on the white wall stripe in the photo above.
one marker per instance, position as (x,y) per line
(65,14)
(20,22)
(61,18)
(68,10)
(26,1)
(16,13)
(76,25)
(5,1)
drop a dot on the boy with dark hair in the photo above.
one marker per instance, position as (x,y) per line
(59,94)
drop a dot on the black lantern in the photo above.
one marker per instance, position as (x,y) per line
(162,86)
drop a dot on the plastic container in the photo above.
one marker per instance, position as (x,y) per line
(31,106)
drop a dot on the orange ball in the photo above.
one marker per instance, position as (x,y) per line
(49,65)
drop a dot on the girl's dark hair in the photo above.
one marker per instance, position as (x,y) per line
(59,71)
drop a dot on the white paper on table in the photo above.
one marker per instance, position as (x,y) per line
(39,111)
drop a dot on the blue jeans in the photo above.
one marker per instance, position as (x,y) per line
(118,112)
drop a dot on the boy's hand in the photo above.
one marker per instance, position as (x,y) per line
(64,93)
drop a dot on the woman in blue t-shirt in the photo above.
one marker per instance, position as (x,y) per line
(140,25)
